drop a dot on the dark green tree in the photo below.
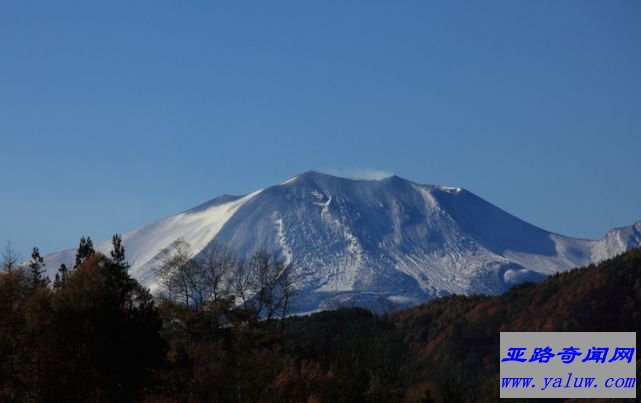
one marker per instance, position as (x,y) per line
(36,265)
(9,258)
(118,252)
(85,251)
(61,276)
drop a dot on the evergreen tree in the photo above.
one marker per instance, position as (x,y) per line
(118,252)
(35,265)
(85,251)
(61,276)
(9,258)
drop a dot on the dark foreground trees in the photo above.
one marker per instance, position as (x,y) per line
(224,321)
(109,330)
(98,337)
(92,339)
(442,351)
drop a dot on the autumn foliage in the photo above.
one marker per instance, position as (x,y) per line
(98,336)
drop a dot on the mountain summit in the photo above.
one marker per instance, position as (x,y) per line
(374,243)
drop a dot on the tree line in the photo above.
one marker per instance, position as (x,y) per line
(216,332)
(92,335)
(95,334)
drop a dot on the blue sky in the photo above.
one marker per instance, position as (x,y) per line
(115,114)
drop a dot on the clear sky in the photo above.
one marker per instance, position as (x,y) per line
(116,114)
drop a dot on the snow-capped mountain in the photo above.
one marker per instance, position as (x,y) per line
(371,242)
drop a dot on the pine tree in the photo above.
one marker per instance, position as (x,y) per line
(61,276)
(85,251)
(36,264)
(9,258)
(118,253)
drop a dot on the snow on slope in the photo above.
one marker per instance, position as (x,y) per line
(197,227)
(616,241)
(360,242)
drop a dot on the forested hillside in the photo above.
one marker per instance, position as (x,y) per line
(96,335)
(455,340)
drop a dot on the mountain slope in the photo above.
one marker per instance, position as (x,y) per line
(383,243)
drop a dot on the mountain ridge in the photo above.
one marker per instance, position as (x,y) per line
(360,242)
